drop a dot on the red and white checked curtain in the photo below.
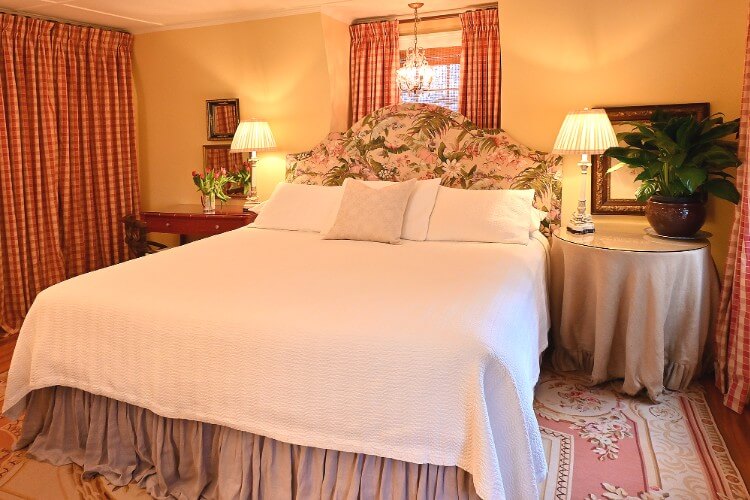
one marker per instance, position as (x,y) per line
(733,328)
(373,64)
(68,169)
(479,96)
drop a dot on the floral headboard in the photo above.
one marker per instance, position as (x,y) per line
(424,141)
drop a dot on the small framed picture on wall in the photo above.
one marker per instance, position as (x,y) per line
(614,193)
(222,118)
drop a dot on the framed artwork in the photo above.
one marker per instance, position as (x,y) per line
(217,156)
(614,194)
(222,118)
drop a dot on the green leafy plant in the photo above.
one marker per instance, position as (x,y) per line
(212,182)
(679,156)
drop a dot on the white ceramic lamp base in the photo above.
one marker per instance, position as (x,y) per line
(251,201)
(580,221)
(581,225)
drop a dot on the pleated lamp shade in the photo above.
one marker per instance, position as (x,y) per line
(587,131)
(252,135)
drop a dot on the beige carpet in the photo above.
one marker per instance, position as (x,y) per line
(599,444)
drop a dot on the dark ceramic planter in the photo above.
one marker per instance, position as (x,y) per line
(676,217)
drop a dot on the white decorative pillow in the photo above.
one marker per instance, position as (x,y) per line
(492,215)
(371,214)
(300,207)
(419,208)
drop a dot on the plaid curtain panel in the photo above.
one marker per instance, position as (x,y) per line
(732,340)
(479,95)
(373,64)
(68,169)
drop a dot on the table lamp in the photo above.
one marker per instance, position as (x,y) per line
(585,132)
(252,136)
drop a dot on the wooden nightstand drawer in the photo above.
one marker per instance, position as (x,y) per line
(190,220)
(183,224)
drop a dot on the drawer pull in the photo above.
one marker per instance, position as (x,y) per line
(216,226)
(168,224)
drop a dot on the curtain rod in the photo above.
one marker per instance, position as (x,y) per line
(409,18)
(3,10)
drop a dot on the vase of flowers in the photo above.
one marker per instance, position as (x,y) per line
(211,186)
(680,162)
(209,203)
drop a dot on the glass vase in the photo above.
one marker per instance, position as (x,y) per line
(209,203)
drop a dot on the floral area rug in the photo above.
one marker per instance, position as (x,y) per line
(600,445)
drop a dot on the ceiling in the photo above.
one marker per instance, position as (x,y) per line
(141,16)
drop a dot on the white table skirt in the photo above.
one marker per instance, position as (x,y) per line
(644,317)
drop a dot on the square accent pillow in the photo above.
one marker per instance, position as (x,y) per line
(371,214)
(419,208)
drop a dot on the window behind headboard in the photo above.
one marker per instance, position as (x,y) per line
(443,52)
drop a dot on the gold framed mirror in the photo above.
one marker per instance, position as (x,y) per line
(614,193)
(222,118)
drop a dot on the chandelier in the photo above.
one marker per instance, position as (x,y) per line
(416,74)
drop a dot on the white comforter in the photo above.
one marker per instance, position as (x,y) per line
(425,352)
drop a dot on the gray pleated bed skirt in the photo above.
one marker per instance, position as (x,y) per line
(185,459)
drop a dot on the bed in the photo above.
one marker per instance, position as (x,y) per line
(346,369)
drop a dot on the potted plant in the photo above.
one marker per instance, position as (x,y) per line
(681,161)
(211,186)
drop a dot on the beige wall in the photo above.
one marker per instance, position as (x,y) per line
(284,70)
(557,56)
(337,42)
(560,56)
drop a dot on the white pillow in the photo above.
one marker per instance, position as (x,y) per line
(493,215)
(419,208)
(368,213)
(300,207)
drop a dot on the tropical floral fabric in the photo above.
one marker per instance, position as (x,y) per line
(424,141)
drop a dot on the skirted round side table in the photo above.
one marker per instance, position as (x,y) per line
(633,306)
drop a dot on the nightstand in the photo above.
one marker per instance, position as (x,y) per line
(632,306)
(189,220)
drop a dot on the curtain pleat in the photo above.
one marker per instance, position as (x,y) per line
(68,169)
(732,342)
(373,64)
(479,95)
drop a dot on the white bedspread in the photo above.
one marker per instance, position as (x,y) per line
(425,352)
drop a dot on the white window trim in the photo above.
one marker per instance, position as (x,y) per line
(431,40)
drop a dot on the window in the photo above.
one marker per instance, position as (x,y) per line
(446,62)
(443,52)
